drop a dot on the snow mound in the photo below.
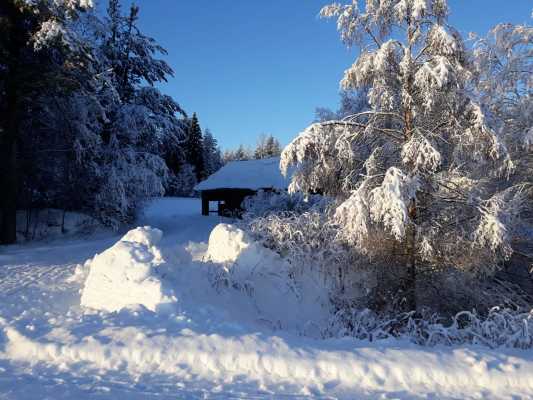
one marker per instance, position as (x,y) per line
(229,244)
(239,253)
(128,274)
(281,301)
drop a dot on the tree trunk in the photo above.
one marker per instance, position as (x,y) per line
(14,39)
(409,286)
(410,280)
(8,167)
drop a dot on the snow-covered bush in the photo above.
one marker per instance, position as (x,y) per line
(300,229)
(182,183)
(501,327)
(282,297)
(130,178)
(266,202)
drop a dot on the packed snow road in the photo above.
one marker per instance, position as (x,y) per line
(214,341)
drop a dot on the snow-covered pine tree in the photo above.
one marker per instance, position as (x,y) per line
(132,54)
(413,173)
(194,150)
(212,156)
(267,146)
(27,30)
(143,126)
(273,148)
(242,153)
(259,151)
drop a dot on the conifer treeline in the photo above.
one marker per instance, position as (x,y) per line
(82,125)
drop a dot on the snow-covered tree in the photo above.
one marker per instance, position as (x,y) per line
(412,174)
(212,155)
(144,131)
(240,154)
(504,80)
(35,43)
(132,55)
(194,148)
(183,182)
(96,135)
(267,146)
(351,102)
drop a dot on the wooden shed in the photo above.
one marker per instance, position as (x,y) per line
(238,179)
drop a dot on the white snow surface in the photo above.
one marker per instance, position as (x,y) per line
(249,174)
(234,330)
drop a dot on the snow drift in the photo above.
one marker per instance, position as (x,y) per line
(282,300)
(274,365)
(128,273)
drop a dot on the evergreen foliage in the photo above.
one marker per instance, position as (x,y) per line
(37,50)
(267,147)
(194,148)
(83,127)
(242,153)
(212,154)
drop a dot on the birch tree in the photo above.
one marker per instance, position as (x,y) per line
(412,174)
(503,62)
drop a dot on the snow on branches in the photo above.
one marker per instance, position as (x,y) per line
(387,204)
(55,15)
(322,163)
(421,154)
(503,67)
(417,167)
(390,201)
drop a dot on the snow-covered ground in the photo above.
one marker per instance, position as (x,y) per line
(214,338)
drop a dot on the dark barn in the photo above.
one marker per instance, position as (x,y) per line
(237,179)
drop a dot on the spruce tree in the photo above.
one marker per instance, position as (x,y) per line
(267,146)
(35,42)
(212,156)
(194,148)
(273,148)
(92,133)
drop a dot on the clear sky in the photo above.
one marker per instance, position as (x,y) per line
(248,67)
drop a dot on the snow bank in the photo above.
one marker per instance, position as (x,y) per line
(128,273)
(282,301)
(274,364)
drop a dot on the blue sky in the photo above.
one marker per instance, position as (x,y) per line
(248,67)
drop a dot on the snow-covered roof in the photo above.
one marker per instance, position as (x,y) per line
(250,174)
